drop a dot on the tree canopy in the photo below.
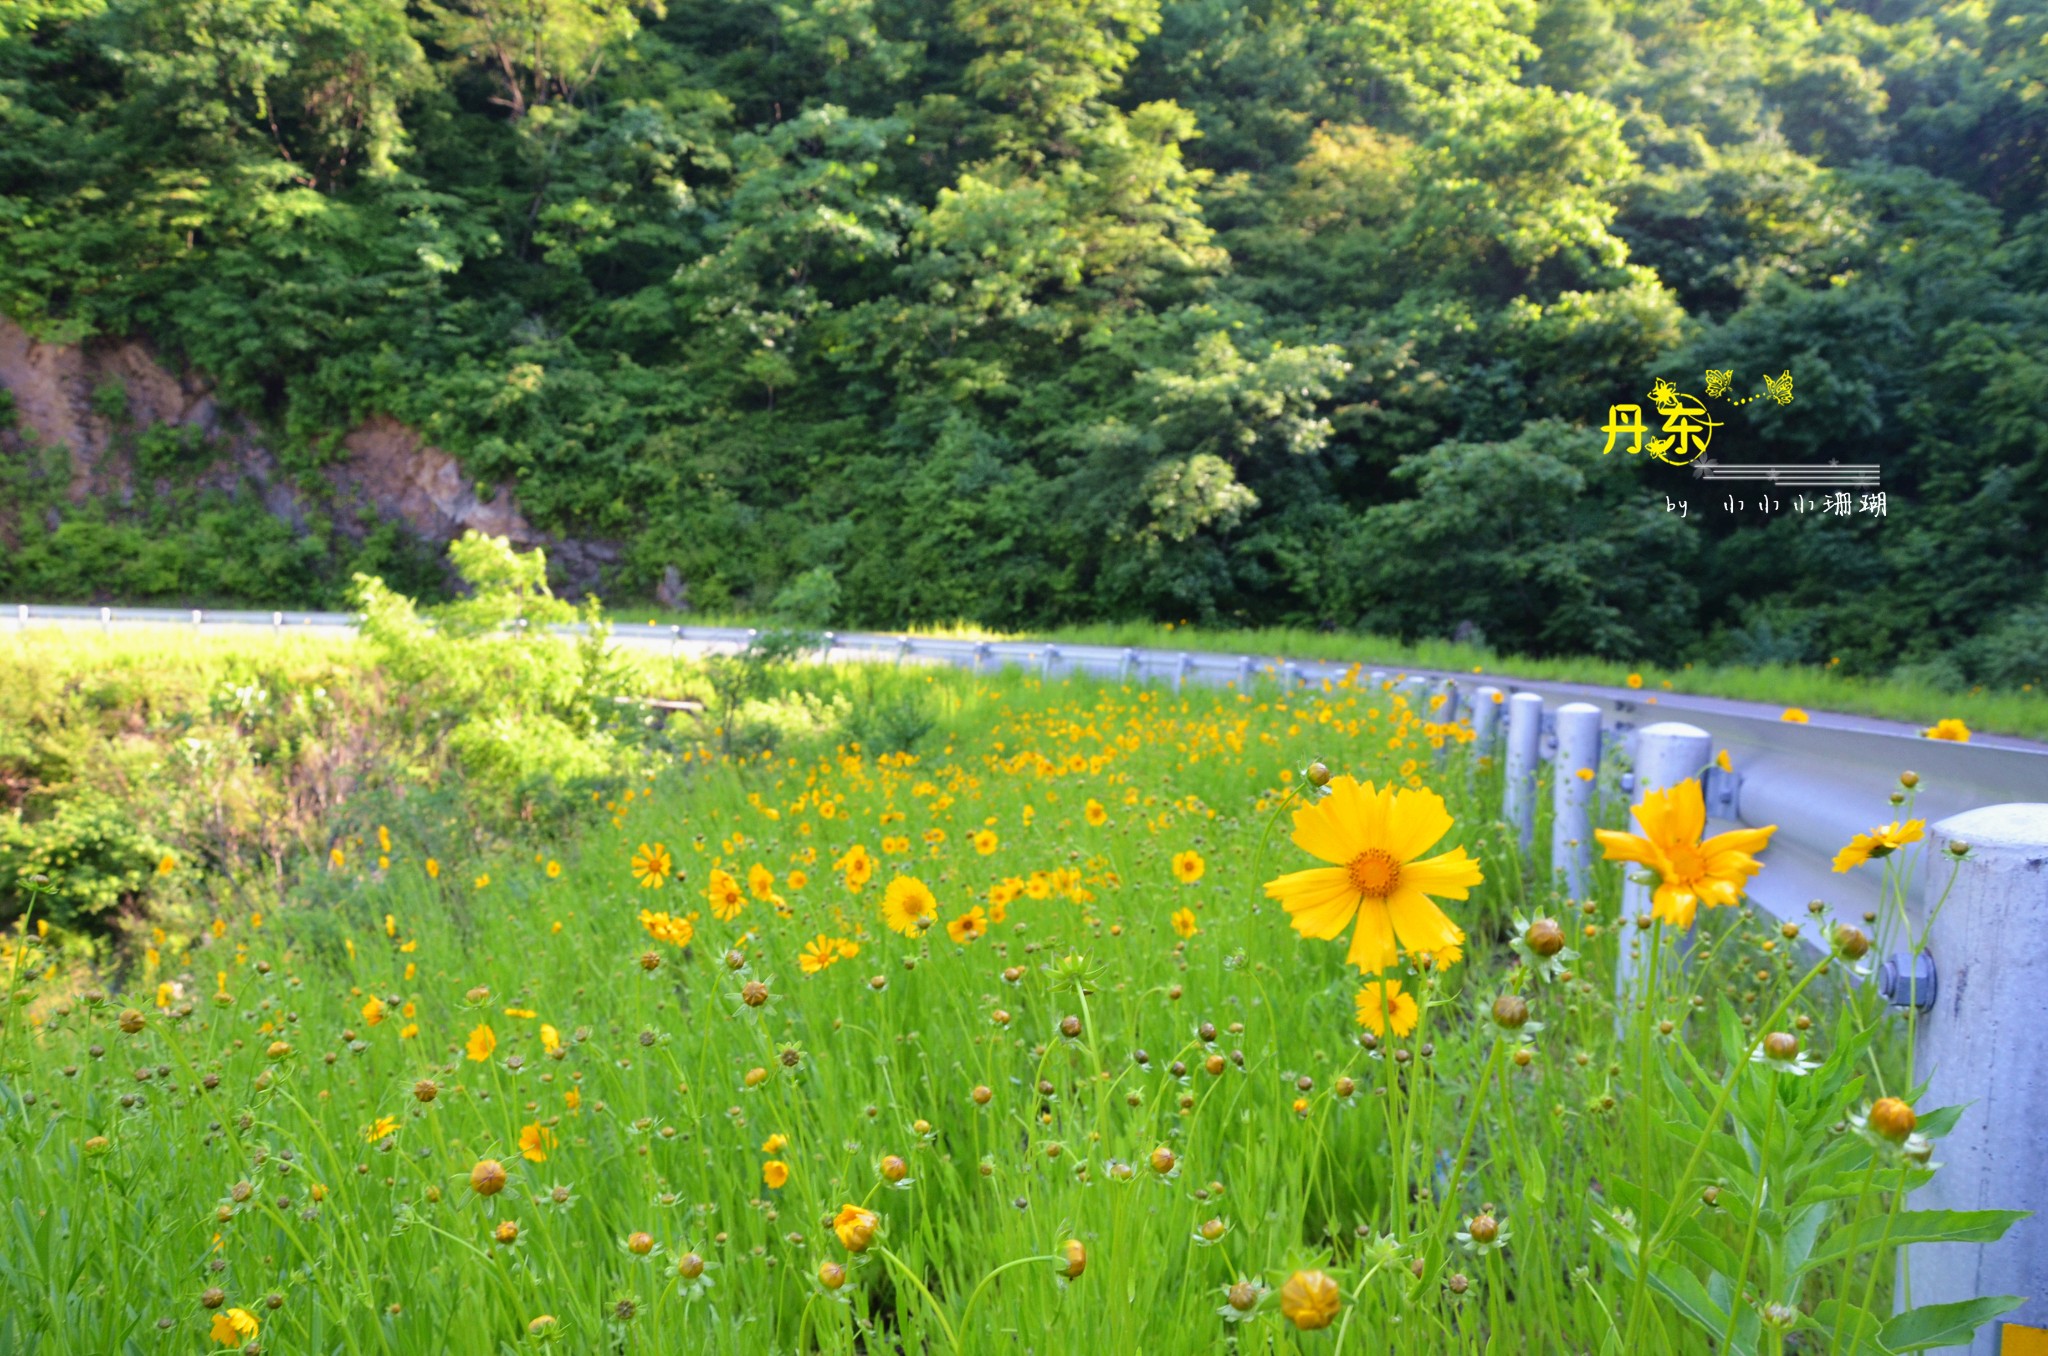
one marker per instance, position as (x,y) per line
(1029,311)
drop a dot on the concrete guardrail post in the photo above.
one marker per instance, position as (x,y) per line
(277,624)
(1486,706)
(1980,1046)
(1046,660)
(1525,732)
(1446,710)
(1667,753)
(1180,670)
(981,653)
(195,619)
(902,648)
(1244,673)
(1290,676)
(1578,763)
(106,621)
(1378,679)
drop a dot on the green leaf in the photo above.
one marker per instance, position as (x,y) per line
(1920,1226)
(1945,1325)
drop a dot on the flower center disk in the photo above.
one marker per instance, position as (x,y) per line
(1375,872)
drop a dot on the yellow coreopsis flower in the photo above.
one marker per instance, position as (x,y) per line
(534,1142)
(908,906)
(1691,872)
(1947,728)
(481,1042)
(1188,866)
(1184,922)
(724,895)
(855,1227)
(1375,838)
(379,1128)
(1793,716)
(166,865)
(550,1039)
(985,841)
(433,869)
(1094,813)
(775,1173)
(1881,841)
(820,953)
(233,1327)
(760,881)
(652,866)
(1382,1004)
(373,1010)
(968,926)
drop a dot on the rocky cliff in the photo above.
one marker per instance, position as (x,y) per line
(91,399)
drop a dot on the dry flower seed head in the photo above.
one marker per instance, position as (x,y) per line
(1510,1012)
(639,1243)
(1522,1058)
(894,1169)
(487,1178)
(754,993)
(1711,1196)
(1909,780)
(1803,1022)
(689,1266)
(650,961)
(1644,920)
(1076,1258)
(1243,1296)
(1816,907)
(1211,1229)
(131,1021)
(1310,1300)
(480,994)
(1958,848)
(921,1126)
(1013,974)
(1207,1031)
(1345,1087)
(1215,1064)
(1163,1160)
(1070,1027)
(1851,943)
(878,982)
(1665,1027)
(981,1095)
(1545,937)
(735,960)
(1483,1228)
(831,1275)
(1781,1045)
(1458,1283)
(1892,1118)
(213,1298)
(1788,930)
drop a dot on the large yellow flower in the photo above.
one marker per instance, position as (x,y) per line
(652,866)
(724,895)
(908,906)
(1691,872)
(1881,841)
(1375,838)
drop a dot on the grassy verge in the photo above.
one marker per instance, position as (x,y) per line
(1004,981)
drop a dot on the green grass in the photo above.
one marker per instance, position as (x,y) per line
(226,1142)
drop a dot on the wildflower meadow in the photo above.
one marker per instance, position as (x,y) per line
(1111,1019)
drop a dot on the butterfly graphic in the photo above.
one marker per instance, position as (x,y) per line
(1780,387)
(1717,382)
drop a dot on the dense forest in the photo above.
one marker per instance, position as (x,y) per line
(1030,311)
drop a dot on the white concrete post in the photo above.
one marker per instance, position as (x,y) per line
(980,657)
(1046,661)
(902,648)
(277,624)
(1244,674)
(1378,679)
(106,621)
(195,619)
(1981,1047)
(1486,719)
(1448,711)
(1290,676)
(1667,753)
(1123,665)
(1525,733)
(21,617)
(1571,830)
(1180,670)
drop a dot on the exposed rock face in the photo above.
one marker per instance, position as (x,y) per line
(63,394)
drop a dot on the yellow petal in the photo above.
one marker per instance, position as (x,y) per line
(1416,820)
(1449,874)
(1750,841)
(1319,832)
(1319,901)
(1372,942)
(1627,847)
(1419,923)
